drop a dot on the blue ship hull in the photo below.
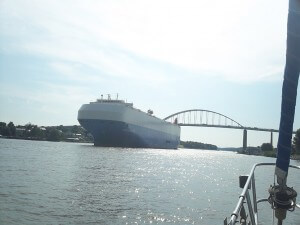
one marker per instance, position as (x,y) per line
(108,133)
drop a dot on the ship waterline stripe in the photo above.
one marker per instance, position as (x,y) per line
(129,124)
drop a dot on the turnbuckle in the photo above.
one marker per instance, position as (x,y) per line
(282,199)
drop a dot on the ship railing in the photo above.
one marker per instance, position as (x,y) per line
(240,215)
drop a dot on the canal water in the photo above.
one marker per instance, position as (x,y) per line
(71,183)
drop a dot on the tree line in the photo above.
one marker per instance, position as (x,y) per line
(267,149)
(49,133)
(7,130)
(198,145)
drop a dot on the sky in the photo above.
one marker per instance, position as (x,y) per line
(168,56)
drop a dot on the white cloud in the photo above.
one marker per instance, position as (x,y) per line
(48,93)
(238,40)
(55,104)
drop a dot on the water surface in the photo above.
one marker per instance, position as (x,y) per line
(69,183)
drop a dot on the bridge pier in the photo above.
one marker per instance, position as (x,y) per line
(245,140)
(271,141)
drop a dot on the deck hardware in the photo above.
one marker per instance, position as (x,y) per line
(242,181)
(252,201)
(282,199)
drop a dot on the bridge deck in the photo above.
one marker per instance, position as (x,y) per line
(230,127)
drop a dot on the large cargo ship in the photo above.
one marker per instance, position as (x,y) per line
(115,123)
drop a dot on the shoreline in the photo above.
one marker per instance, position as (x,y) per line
(36,139)
(293,157)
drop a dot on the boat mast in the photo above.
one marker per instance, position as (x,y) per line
(289,92)
(283,197)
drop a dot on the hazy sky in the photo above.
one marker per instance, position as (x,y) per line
(224,56)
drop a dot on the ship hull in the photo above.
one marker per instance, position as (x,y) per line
(121,125)
(108,133)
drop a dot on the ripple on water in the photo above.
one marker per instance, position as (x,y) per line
(61,183)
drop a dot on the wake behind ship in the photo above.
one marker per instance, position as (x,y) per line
(114,123)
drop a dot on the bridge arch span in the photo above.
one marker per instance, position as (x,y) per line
(202,117)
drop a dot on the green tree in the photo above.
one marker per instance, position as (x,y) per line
(296,142)
(36,132)
(12,129)
(75,129)
(62,128)
(29,126)
(266,147)
(53,134)
(2,128)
